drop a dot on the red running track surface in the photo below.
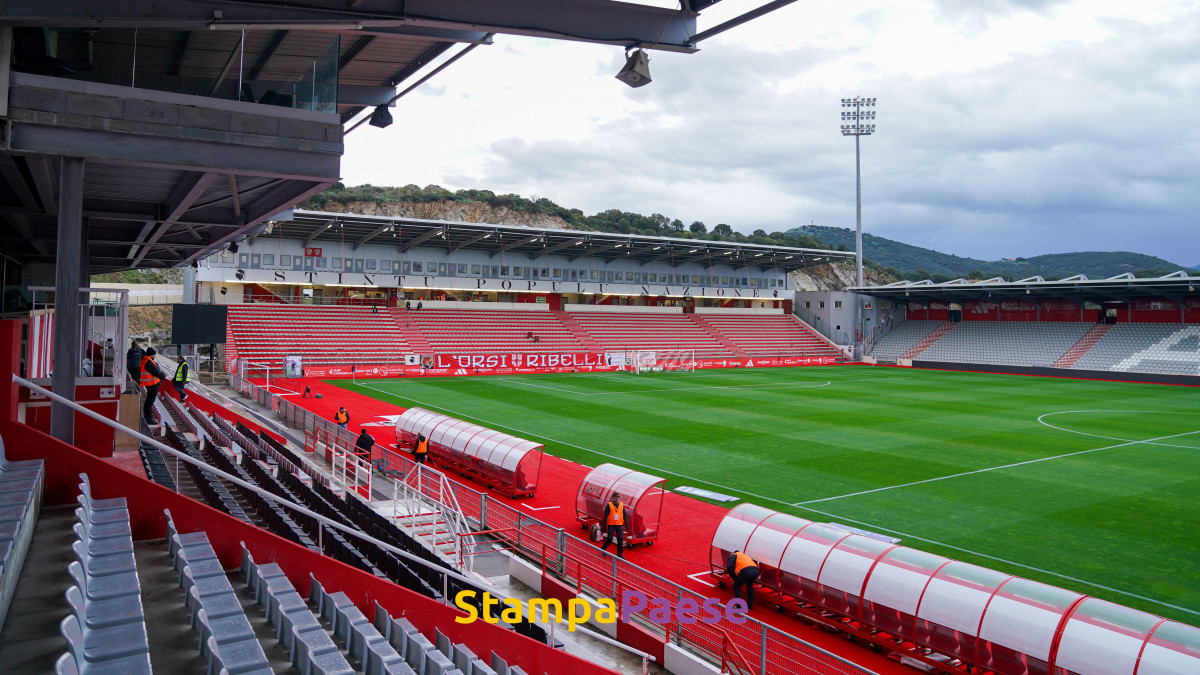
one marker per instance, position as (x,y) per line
(680,552)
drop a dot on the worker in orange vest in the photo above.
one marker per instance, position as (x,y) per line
(341,417)
(614,522)
(744,572)
(420,449)
(151,376)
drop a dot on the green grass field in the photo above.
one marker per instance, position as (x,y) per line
(1092,486)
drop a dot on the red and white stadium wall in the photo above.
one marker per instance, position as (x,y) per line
(90,435)
(528,364)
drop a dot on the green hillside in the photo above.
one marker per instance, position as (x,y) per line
(915,262)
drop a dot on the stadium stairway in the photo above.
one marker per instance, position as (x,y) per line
(412,333)
(1079,349)
(578,331)
(714,332)
(926,343)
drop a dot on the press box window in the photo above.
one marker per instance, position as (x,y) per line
(268,259)
(837,304)
(337,263)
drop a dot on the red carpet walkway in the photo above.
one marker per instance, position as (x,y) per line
(682,548)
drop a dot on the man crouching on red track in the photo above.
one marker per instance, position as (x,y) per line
(744,572)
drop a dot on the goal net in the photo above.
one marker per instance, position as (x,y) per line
(661,360)
(251,371)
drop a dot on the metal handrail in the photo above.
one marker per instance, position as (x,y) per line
(731,655)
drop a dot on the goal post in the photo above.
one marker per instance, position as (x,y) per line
(252,370)
(661,360)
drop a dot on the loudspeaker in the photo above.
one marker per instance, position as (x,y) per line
(381,117)
(636,72)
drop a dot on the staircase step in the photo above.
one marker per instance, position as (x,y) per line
(1077,350)
(928,341)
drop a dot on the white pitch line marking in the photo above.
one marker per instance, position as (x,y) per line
(539,508)
(1042,421)
(693,578)
(1149,441)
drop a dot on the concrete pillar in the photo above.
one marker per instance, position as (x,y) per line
(67,281)
(189,285)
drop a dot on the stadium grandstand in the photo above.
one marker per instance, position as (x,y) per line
(1146,329)
(253,526)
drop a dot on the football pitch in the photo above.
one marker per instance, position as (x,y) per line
(1092,486)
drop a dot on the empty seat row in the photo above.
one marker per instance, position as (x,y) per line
(106,630)
(21,486)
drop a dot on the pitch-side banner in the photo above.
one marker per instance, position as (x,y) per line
(439,365)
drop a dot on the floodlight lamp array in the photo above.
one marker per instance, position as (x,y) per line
(857,102)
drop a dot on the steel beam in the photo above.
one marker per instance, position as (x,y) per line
(265,57)
(185,194)
(615,23)
(67,328)
(520,242)
(467,242)
(420,239)
(16,180)
(175,153)
(557,247)
(43,180)
(374,233)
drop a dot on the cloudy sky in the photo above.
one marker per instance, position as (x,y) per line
(1005,127)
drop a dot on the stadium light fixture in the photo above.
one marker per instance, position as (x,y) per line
(855,124)
(381,118)
(636,72)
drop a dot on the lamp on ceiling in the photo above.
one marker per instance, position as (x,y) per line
(636,72)
(233,247)
(381,118)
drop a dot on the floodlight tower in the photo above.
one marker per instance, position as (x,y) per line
(857,122)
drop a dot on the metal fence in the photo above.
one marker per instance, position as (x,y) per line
(767,650)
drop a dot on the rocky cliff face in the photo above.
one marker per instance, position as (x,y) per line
(468,212)
(831,277)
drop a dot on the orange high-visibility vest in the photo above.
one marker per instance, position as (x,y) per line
(740,562)
(340,417)
(616,514)
(147,380)
(422,446)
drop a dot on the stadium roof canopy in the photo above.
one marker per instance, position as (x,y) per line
(1176,286)
(95,80)
(355,230)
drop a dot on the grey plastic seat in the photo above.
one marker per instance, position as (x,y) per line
(416,650)
(104,644)
(113,527)
(93,504)
(309,643)
(101,546)
(235,658)
(437,663)
(215,606)
(225,631)
(379,656)
(176,541)
(102,588)
(29,467)
(205,586)
(104,565)
(105,613)
(194,553)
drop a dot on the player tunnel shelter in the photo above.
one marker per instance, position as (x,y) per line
(990,619)
(508,464)
(641,493)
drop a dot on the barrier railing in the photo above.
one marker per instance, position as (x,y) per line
(765,649)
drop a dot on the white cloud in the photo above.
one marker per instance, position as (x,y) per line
(1005,128)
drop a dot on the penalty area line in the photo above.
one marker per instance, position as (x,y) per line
(1149,441)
